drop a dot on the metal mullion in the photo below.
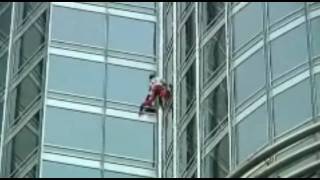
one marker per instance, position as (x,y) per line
(5,104)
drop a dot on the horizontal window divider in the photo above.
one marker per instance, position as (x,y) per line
(35,16)
(213,141)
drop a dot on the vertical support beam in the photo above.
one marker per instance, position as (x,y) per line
(105,82)
(267,56)
(6,91)
(45,86)
(229,83)
(160,73)
(310,61)
(198,90)
(175,108)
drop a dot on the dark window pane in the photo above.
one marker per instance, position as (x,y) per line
(169,128)
(76,76)
(127,85)
(3,67)
(250,76)
(25,95)
(210,12)
(187,146)
(187,37)
(278,10)
(315,29)
(214,54)
(30,44)
(168,75)
(57,170)
(1,113)
(249,16)
(129,138)
(292,107)
(5,20)
(168,24)
(188,89)
(73,129)
(23,146)
(215,108)
(131,35)
(289,50)
(216,163)
(253,132)
(82,27)
(182,6)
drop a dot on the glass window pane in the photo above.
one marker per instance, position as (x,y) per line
(73,129)
(168,25)
(278,10)
(289,51)
(169,170)
(188,89)
(3,71)
(24,145)
(1,114)
(169,128)
(187,37)
(214,54)
(250,16)
(5,20)
(315,29)
(250,76)
(58,170)
(76,76)
(30,44)
(168,71)
(131,35)
(26,94)
(292,107)
(210,12)
(182,6)
(215,108)
(82,27)
(110,174)
(187,146)
(127,85)
(129,138)
(216,163)
(255,124)
(317,80)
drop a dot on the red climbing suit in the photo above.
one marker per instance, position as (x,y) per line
(157,89)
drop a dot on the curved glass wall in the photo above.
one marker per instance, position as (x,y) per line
(259,83)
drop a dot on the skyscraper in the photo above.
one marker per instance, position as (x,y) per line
(245,78)
(76,75)
(246,89)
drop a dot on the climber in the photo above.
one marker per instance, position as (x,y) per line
(157,89)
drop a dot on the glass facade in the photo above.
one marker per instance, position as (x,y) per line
(245,80)
(72,77)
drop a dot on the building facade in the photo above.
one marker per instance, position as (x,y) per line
(246,89)
(72,78)
(245,78)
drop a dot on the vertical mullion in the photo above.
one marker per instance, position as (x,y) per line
(6,91)
(160,71)
(174,59)
(45,85)
(198,90)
